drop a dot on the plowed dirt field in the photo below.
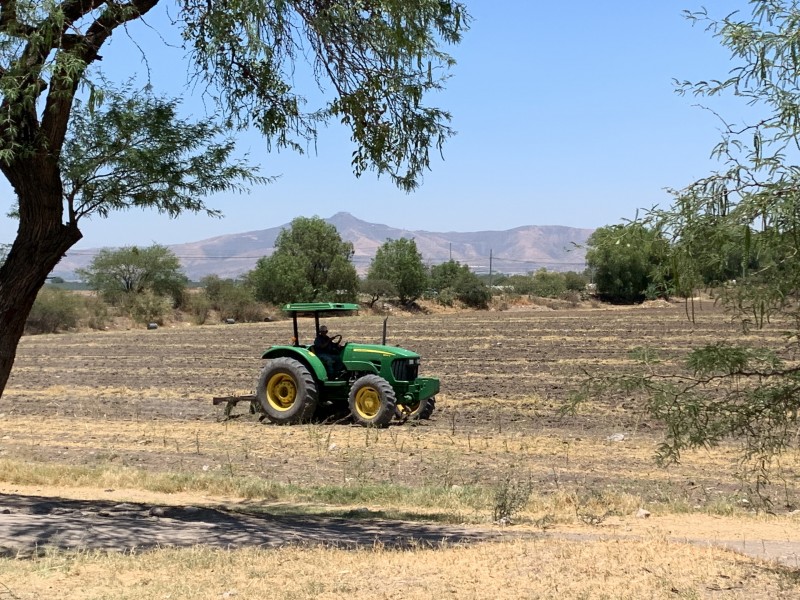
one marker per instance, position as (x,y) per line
(504,375)
(171,373)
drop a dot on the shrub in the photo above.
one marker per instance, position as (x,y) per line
(238,302)
(575,281)
(520,284)
(54,310)
(198,305)
(446,297)
(572,296)
(472,292)
(96,312)
(511,494)
(548,284)
(148,307)
(213,285)
(232,299)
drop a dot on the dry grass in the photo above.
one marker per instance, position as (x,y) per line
(453,473)
(544,568)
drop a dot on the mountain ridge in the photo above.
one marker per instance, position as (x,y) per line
(519,250)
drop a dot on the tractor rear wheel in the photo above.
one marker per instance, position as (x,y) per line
(287,392)
(424,410)
(372,401)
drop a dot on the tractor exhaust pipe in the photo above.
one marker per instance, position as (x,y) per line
(383,342)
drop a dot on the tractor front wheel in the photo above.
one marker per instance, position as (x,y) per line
(372,401)
(423,410)
(287,392)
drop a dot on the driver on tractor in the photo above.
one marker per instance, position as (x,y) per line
(328,349)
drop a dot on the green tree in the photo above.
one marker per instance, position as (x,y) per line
(471,291)
(374,63)
(279,279)
(119,275)
(454,280)
(743,222)
(627,261)
(311,262)
(447,274)
(400,263)
(133,151)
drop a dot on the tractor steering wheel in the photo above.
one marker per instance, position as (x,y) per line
(336,339)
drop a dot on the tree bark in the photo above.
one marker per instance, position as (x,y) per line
(44,234)
(42,240)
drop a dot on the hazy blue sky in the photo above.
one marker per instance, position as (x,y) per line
(566,115)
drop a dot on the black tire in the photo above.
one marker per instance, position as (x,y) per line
(287,392)
(424,410)
(372,401)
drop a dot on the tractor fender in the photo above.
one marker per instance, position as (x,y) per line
(305,356)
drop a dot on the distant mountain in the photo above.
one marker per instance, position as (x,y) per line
(519,250)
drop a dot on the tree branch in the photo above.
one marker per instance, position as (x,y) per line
(9,23)
(64,83)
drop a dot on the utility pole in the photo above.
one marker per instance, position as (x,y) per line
(490,270)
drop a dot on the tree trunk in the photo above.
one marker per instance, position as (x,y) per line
(42,240)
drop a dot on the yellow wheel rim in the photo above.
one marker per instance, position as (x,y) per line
(281,391)
(368,402)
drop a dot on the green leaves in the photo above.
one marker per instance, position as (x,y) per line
(628,262)
(400,263)
(120,274)
(373,63)
(134,151)
(723,359)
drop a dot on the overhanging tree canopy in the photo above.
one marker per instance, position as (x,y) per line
(374,61)
(740,226)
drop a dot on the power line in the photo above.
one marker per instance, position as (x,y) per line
(183,256)
(498,261)
(362,256)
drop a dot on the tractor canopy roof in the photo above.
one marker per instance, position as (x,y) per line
(309,309)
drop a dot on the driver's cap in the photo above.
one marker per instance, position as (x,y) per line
(323,329)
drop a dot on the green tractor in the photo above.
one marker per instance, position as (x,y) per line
(374,383)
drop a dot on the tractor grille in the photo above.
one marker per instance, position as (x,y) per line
(405,369)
